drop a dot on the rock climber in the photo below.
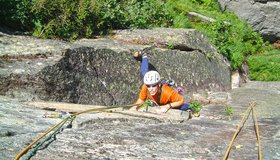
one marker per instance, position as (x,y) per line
(164,96)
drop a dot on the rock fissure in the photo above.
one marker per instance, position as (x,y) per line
(7,134)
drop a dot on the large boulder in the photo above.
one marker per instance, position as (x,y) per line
(102,71)
(262,15)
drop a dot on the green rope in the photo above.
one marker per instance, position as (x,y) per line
(148,103)
(50,138)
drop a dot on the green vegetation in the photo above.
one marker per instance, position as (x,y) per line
(232,37)
(228,110)
(196,106)
(76,19)
(17,15)
(70,20)
(170,45)
(265,67)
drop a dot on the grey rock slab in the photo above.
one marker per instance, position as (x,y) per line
(109,135)
(20,125)
(182,39)
(14,45)
(102,71)
(263,16)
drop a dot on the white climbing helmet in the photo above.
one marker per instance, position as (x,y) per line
(151,77)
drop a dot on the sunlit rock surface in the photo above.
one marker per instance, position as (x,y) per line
(138,135)
(103,72)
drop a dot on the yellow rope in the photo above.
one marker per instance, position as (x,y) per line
(35,141)
(65,119)
(257,133)
(245,117)
(240,126)
(237,131)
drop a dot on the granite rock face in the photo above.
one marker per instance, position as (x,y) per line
(102,71)
(262,15)
(139,135)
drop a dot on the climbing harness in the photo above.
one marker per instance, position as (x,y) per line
(56,129)
(240,126)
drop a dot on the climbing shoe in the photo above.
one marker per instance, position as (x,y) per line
(139,55)
(142,54)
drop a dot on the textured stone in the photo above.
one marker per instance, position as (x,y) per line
(138,135)
(181,39)
(103,72)
(262,15)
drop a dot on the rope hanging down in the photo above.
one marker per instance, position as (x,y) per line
(240,126)
(56,129)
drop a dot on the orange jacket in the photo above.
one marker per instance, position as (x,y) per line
(168,95)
